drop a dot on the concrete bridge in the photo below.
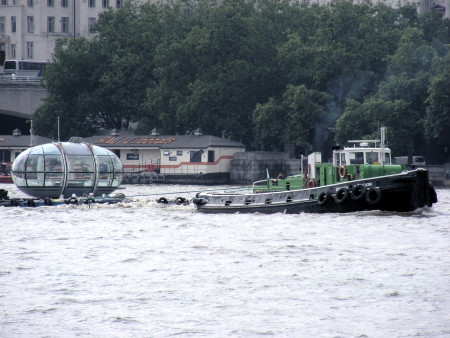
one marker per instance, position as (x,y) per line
(18,101)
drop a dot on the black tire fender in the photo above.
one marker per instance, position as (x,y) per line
(358,192)
(163,200)
(72,200)
(180,200)
(199,201)
(373,195)
(48,201)
(341,195)
(323,198)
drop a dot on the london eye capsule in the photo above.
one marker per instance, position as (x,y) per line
(66,168)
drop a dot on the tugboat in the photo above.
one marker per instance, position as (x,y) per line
(360,177)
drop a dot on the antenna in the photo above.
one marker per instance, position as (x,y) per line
(31,133)
(382,138)
(58,129)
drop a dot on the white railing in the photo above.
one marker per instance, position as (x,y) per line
(19,79)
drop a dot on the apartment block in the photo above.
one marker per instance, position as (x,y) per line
(29,29)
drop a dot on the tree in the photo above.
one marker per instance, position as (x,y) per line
(70,80)
(269,121)
(437,122)
(293,120)
(363,121)
(214,75)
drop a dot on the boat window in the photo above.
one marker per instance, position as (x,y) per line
(337,159)
(53,163)
(105,171)
(101,151)
(343,159)
(387,158)
(20,162)
(371,157)
(50,149)
(357,158)
(35,163)
(81,171)
(36,150)
(35,179)
(53,179)
(117,179)
(19,179)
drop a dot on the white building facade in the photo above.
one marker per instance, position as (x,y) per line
(30,29)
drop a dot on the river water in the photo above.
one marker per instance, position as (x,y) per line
(143,269)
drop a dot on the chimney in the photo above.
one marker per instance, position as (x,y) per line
(198,132)
(114,132)
(17,132)
(154,132)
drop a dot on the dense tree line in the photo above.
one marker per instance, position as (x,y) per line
(266,73)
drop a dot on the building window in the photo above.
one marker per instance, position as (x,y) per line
(13,24)
(4,2)
(50,3)
(51,24)
(2,24)
(64,24)
(30,3)
(196,155)
(64,3)
(30,24)
(91,22)
(16,2)
(13,51)
(91,3)
(105,3)
(29,50)
(119,3)
(211,157)
(5,155)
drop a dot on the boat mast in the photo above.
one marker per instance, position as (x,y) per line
(382,138)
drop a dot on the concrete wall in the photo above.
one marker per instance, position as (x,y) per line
(21,100)
(247,167)
(439,175)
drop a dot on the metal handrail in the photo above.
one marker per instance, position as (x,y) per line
(20,79)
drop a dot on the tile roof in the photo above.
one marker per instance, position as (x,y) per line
(134,140)
(163,142)
(22,141)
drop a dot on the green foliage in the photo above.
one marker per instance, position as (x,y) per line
(437,123)
(362,121)
(264,72)
(293,120)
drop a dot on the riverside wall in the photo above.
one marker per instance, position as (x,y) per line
(247,167)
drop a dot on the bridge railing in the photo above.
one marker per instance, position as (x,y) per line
(19,79)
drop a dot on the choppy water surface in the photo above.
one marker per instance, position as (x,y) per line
(148,270)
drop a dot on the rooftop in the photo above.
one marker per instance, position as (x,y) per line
(163,141)
(22,141)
